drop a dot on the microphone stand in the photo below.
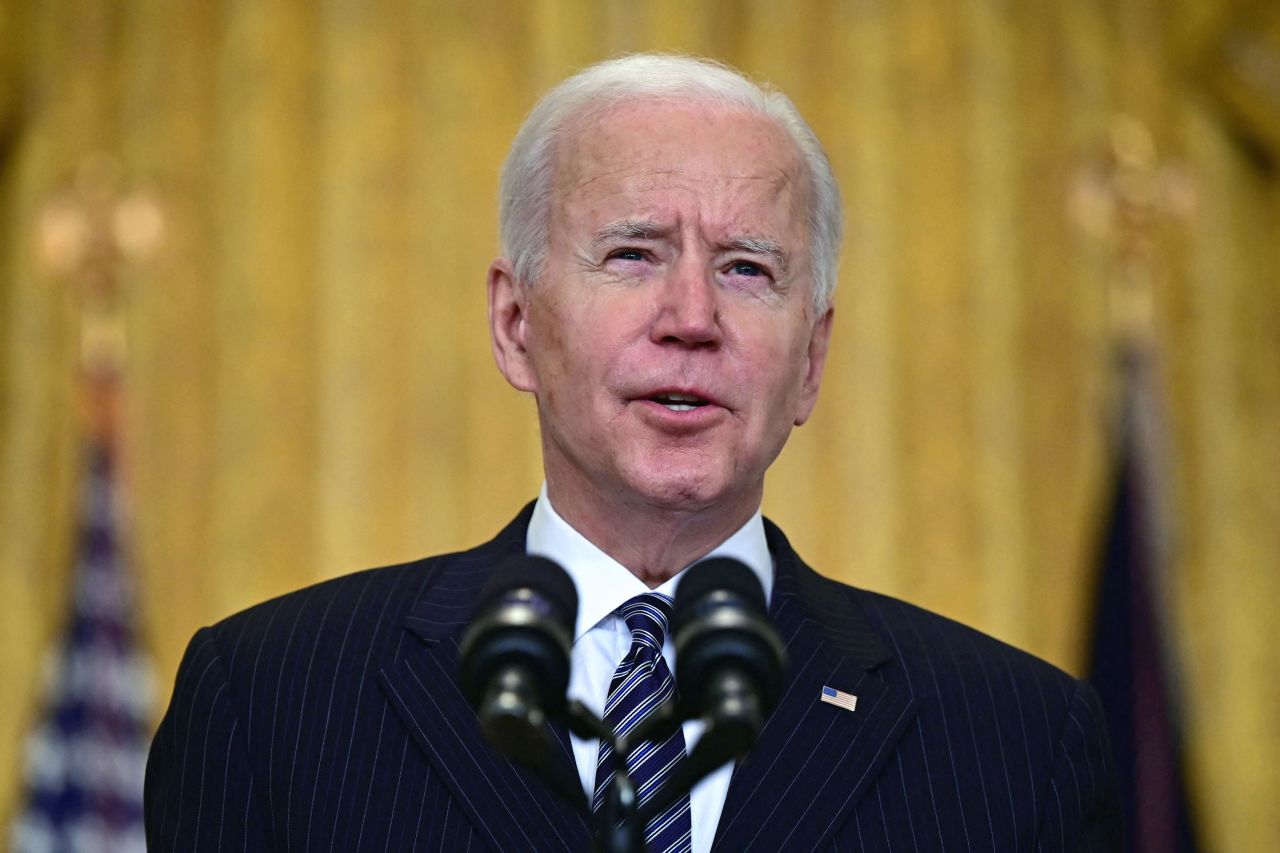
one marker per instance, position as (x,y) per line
(615,828)
(730,731)
(618,827)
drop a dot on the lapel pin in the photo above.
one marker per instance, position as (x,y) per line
(839,698)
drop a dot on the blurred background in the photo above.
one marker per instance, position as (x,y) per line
(274,218)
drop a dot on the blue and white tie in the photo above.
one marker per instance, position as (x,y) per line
(641,683)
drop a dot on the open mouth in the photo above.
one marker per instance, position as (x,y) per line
(678,402)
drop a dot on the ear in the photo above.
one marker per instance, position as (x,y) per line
(815,363)
(508,325)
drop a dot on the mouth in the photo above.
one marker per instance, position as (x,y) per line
(678,402)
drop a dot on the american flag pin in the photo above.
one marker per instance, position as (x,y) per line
(839,698)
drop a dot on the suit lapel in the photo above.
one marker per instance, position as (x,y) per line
(813,760)
(511,807)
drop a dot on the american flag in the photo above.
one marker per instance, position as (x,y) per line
(86,755)
(839,698)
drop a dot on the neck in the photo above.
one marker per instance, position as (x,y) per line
(653,542)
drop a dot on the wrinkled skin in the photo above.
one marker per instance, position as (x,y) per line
(678,264)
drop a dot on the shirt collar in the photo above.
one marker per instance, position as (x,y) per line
(604,584)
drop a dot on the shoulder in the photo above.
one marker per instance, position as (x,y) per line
(949,670)
(362,604)
(366,610)
(925,652)
(1005,714)
(929,643)
(929,655)
(952,670)
(336,631)
(266,693)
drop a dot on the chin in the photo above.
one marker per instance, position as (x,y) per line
(688,490)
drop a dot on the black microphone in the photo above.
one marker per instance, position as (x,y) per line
(729,659)
(515,654)
(729,665)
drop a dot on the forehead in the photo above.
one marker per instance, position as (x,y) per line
(662,158)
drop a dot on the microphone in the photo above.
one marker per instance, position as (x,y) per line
(729,659)
(729,665)
(515,654)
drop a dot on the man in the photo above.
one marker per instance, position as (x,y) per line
(670,234)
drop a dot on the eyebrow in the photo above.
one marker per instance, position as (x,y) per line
(760,246)
(627,229)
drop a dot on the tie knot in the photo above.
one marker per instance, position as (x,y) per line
(647,616)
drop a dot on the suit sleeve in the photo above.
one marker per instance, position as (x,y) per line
(1082,809)
(200,792)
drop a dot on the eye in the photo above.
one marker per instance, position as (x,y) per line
(747,268)
(627,254)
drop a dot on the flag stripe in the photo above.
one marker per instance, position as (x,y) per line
(86,757)
(839,698)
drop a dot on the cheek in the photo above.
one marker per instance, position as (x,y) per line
(779,375)
(572,355)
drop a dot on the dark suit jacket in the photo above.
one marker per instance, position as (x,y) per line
(331,719)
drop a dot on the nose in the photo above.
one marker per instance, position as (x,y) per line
(688,309)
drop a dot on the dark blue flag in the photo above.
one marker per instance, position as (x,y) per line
(1131,665)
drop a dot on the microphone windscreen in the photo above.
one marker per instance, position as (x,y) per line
(544,577)
(729,659)
(722,574)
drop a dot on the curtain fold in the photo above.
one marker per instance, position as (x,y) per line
(310,386)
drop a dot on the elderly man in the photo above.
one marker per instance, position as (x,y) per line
(670,233)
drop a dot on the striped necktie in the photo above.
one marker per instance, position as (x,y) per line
(641,683)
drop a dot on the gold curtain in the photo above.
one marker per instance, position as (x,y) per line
(310,389)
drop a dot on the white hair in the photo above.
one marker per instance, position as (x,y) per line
(528,174)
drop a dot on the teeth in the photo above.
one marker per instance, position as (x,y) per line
(679,402)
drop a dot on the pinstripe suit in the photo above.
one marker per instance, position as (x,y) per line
(331,719)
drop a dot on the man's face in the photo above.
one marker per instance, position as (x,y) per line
(671,342)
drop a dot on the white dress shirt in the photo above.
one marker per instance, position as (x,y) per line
(601,639)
